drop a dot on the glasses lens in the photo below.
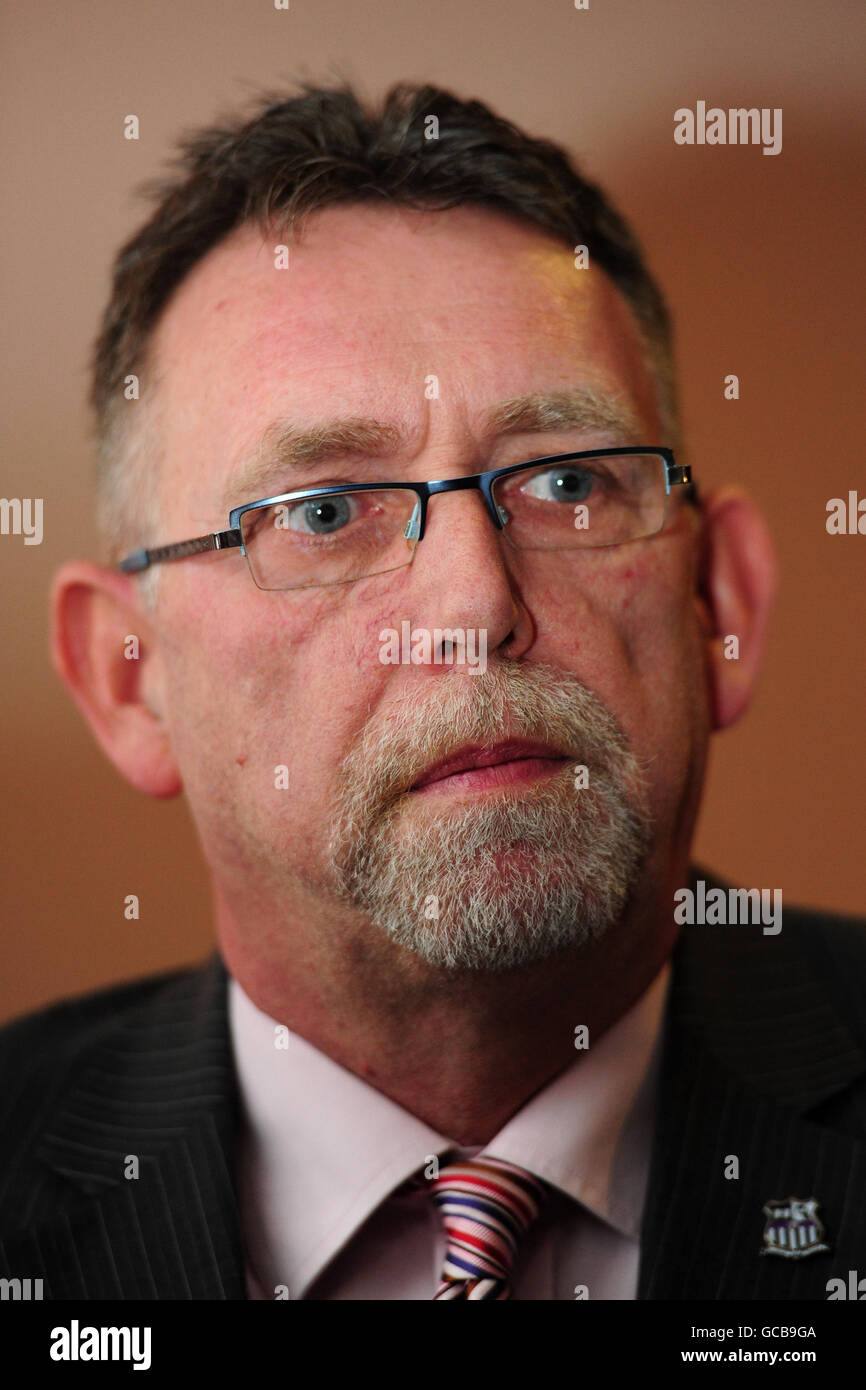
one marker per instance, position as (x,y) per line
(330,539)
(584,502)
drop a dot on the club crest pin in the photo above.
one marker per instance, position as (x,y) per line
(793,1228)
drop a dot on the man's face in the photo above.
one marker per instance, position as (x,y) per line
(376,301)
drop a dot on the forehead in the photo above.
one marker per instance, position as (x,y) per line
(373,301)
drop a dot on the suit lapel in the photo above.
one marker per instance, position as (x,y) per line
(157,1088)
(752,1044)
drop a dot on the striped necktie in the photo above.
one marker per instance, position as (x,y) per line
(487,1206)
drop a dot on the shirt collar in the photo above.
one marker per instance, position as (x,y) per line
(588,1131)
(323,1148)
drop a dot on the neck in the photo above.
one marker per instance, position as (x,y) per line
(463,1052)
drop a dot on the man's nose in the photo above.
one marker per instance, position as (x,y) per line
(460,577)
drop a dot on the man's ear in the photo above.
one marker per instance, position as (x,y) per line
(738,585)
(104,648)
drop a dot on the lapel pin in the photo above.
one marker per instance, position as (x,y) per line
(793,1229)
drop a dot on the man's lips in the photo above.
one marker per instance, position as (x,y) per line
(510,761)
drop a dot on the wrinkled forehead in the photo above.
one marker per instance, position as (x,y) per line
(356,317)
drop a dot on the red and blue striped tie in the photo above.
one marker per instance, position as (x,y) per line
(487,1206)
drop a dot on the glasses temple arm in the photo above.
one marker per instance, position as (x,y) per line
(138,560)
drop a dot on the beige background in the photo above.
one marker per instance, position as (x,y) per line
(762,260)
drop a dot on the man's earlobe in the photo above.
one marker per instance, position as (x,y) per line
(738,585)
(103,646)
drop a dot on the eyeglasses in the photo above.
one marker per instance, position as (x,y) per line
(321,536)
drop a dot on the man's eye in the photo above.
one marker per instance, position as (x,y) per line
(321,516)
(561,484)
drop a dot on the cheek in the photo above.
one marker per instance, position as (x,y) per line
(627,628)
(648,613)
(267,693)
(664,704)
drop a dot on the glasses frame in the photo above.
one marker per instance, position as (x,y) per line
(676,475)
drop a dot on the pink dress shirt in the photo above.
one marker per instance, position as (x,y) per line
(322,1153)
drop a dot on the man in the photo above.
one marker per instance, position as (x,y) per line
(432,630)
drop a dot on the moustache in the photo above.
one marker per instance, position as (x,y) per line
(507,702)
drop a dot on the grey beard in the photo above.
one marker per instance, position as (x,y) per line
(512,877)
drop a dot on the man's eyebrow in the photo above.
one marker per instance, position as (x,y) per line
(584,408)
(285,445)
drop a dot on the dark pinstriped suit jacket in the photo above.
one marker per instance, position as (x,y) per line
(764,1058)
